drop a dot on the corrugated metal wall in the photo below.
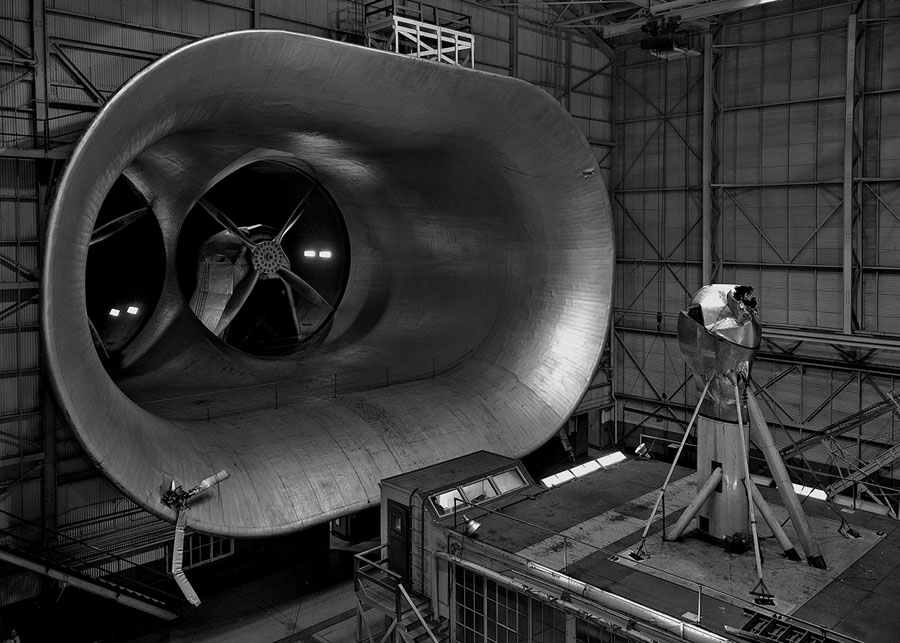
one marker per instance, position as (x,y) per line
(778,127)
(59,61)
(21,437)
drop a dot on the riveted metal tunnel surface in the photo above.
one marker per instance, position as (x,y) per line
(478,227)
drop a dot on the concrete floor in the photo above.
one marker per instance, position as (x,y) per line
(694,564)
(285,606)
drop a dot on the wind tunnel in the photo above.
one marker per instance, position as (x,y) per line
(260,208)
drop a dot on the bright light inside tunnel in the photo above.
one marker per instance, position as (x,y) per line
(309,253)
(125,270)
(325,254)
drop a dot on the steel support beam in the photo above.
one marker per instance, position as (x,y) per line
(686,13)
(77,74)
(709,119)
(766,444)
(88,586)
(847,182)
(693,509)
(39,45)
(589,32)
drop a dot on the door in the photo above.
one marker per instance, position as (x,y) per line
(581,435)
(398,539)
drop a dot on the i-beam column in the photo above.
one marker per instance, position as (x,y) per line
(851,209)
(707,158)
(711,263)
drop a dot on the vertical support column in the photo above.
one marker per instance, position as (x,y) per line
(39,44)
(849,114)
(46,171)
(721,445)
(707,157)
(710,161)
(859,167)
(49,482)
(568,37)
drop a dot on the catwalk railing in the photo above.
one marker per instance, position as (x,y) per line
(30,542)
(377,10)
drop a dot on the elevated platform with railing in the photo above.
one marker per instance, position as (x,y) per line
(421,31)
(28,545)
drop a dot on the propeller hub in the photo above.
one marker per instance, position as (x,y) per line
(269,258)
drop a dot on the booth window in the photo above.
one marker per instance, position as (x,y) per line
(508,480)
(444,502)
(477,491)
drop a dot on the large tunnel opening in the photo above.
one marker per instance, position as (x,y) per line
(463,305)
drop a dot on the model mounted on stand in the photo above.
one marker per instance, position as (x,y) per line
(719,335)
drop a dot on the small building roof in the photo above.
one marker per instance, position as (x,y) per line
(454,472)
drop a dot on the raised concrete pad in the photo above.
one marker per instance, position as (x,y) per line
(579,541)
(692,562)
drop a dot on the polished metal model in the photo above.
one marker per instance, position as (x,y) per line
(719,335)
(258,216)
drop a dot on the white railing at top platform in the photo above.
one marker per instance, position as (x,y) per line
(433,42)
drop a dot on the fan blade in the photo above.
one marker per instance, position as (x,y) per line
(293,305)
(295,215)
(223,220)
(237,300)
(109,229)
(98,343)
(307,292)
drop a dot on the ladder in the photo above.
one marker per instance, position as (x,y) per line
(776,628)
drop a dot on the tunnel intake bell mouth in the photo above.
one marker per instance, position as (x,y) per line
(450,276)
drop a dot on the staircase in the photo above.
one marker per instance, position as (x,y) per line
(412,630)
(30,546)
(379,589)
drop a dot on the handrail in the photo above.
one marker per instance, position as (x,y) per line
(361,563)
(72,539)
(416,612)
(74,562)
(420,11)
